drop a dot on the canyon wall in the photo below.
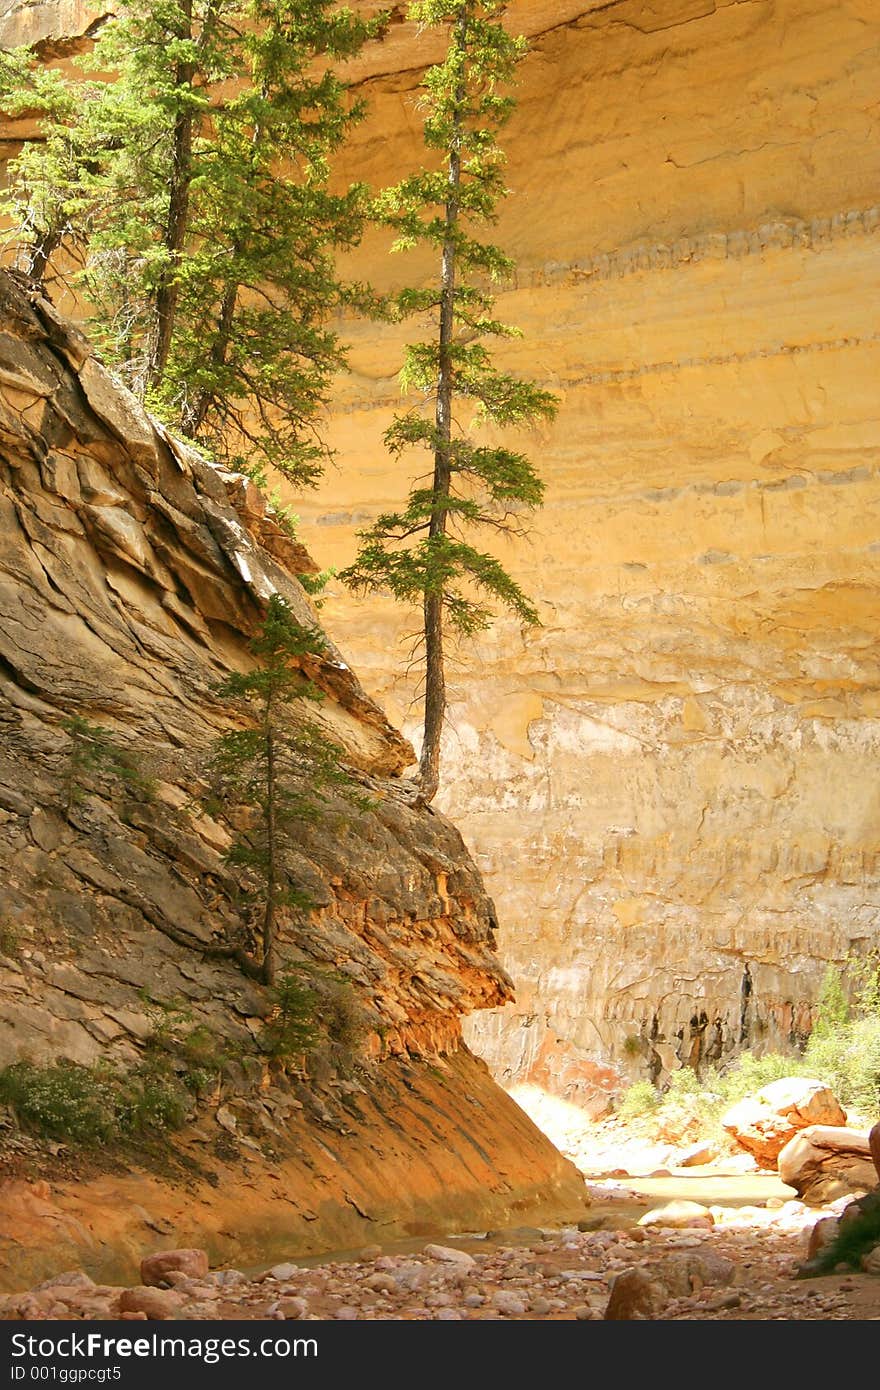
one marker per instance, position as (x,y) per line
(670,784)
(132,575)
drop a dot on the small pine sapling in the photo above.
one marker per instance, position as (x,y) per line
(282,768)
(94,753)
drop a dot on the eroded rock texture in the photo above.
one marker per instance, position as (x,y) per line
(132,574)
(669,785)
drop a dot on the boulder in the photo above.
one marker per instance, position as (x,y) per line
(292,1309)
(449,1255)
(696,1155)
(154,1304)
(687,1272)
(871,1261)
(822,1162)
(634,1295)
(763,1123)
(821,1236)
(155,1269)
(680,1215)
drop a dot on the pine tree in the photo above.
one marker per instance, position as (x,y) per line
(199,182)
(282,767)
(421,553)
(48,219)
(93,754)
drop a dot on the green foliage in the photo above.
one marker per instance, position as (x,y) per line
(637,1100)
(291,1030)
(195,192)
(282,767)
(421,553)
(848,1059)
(195,1054)
(701,1100)
(844,1046)
(10,940)
(95,753)
(316,1017)
(843,1051)
(858,1231)
(45,206)
(750,1073)
(864,974)
(93,1105)
(315,584)
(833,1009)
(684,1083)
(343,1021)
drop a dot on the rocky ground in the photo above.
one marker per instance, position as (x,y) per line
(679,1228)
(736,1264)
(678,1261)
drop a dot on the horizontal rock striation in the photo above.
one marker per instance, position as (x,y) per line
(667,784)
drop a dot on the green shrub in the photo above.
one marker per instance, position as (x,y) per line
(291,1029)
(639,1099)
(94,753)
(341,1015)
(149,1098)
(10,941)
(864,972)
(316,1019)
(92,1105)
(750,1073)
(62,1101)
(844,1046)
(194,1052)
(833,1009)
(848,1059)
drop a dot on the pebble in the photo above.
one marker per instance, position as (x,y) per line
(509,1303)
(449,1254)
(740,1267)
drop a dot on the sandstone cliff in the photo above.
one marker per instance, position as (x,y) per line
(674,764)
(669,785)
(132,573)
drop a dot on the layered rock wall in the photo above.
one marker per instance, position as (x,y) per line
(132,575)
(668,785)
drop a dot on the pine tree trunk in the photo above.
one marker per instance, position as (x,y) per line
(39,255)
(194,416)
(179,181)
(268,967)
(435,668)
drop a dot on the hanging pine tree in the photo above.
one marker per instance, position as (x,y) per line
(422,553)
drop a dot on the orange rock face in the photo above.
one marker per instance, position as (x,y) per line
(427,1149)
(666,783)
(763,1124)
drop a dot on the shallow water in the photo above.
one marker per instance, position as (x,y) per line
(633,1197)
